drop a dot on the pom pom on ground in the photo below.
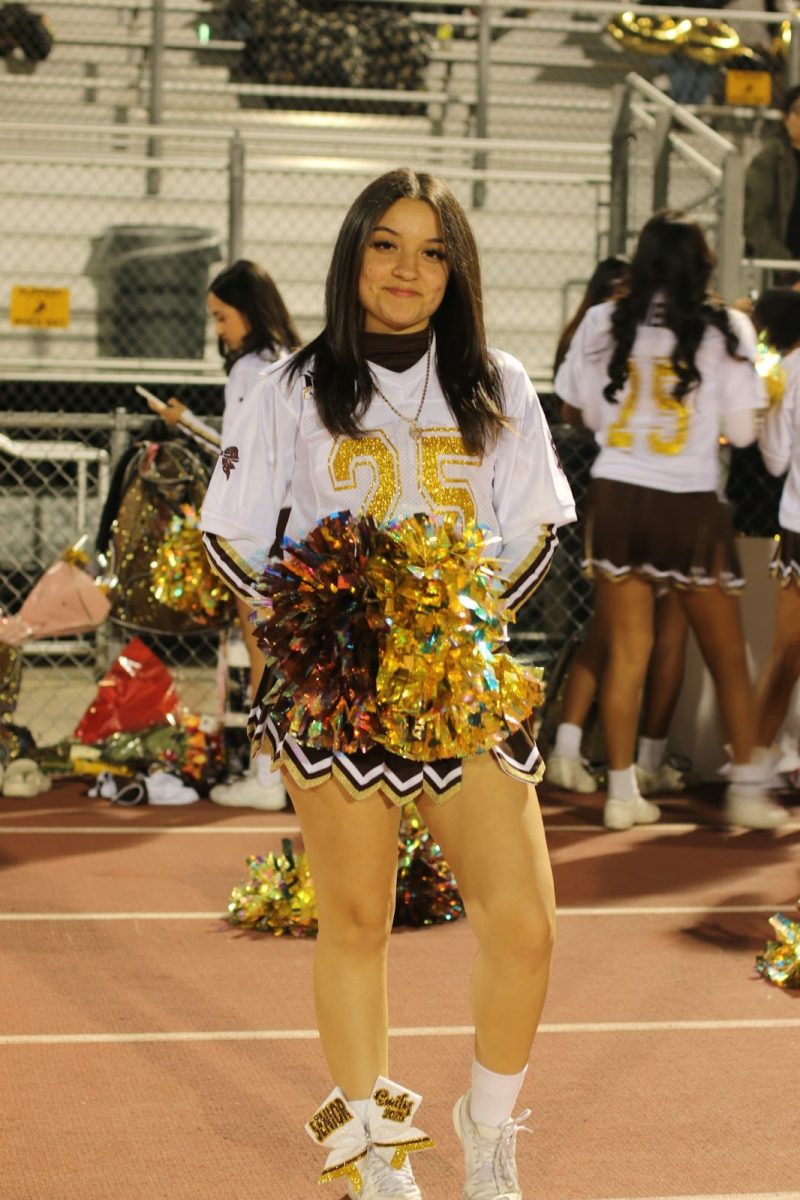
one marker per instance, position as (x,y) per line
(278,897)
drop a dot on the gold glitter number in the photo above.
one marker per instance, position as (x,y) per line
(377,455)
(619,436)
(664,379)
(437,450)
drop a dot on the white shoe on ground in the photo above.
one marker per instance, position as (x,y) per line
(665,778)
(624,814)
(751,807)
(249,792)
(569,774)
(382,1182)
(489,1155)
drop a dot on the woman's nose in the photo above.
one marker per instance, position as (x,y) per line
(406,265)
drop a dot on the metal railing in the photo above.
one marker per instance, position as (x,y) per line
(716,168)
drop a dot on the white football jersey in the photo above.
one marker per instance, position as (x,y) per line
(278,454)
(648,437)
(779,442)
(243,376)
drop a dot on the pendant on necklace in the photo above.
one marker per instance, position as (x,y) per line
(415,431)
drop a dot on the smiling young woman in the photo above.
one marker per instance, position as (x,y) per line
(438,447)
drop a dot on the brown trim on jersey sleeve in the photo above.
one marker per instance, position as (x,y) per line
(240,577)
(532,570)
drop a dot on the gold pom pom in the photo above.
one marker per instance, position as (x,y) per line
(445,687)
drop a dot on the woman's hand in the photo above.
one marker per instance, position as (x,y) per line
(173,412)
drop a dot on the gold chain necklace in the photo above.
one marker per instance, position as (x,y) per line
(413,422)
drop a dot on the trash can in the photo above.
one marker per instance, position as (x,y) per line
(151,285)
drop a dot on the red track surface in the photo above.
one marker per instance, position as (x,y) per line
(150,1052)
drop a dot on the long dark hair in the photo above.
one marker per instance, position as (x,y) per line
(672,258)
(343,382)
(249,289)
(609,275)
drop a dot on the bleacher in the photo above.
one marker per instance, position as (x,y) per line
(83,168)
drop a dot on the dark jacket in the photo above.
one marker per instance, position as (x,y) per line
(770,186)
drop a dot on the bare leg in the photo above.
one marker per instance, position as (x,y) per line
(782,668)
(625,609)
(492,836)
(667,663)
(352,853)
(715,617)
(584,676)
(243,611)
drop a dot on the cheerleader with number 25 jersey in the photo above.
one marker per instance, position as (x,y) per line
(425,493)
(659,375)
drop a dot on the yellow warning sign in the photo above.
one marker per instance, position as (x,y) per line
(46,308)
(748,87)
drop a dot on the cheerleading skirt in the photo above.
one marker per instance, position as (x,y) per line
(675,539)
(377,769)
(785,562)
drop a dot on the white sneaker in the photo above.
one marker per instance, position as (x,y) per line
(569,774)
(382,1182)
(489,1155)
(665,778)
(750,806)
(624,814)
(249,793)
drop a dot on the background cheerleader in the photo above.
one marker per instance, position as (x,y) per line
(254,329)
(565,765)
(659,374)
(777,312)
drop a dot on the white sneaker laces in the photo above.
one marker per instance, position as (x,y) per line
(389,1181)
(497,1164)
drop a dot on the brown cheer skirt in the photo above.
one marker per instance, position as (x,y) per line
(785,561)
(377,769)
(677,539)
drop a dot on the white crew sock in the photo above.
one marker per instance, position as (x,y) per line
(622,784)
(493,1096)
(568,741)
(747,774)
(651,753)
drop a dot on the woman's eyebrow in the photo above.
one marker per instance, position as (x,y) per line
(394,232)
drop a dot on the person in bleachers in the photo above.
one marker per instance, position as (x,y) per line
(772,193)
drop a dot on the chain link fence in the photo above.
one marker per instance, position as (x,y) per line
(53,488)
(130,262)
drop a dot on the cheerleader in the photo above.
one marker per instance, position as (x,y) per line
(254,329)
(658,375)
(566,768)
(397,409)
(777,313)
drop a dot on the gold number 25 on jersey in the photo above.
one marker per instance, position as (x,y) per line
(437,449)
(664,380)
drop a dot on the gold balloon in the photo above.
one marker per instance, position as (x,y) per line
(711,42)
(649,35)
